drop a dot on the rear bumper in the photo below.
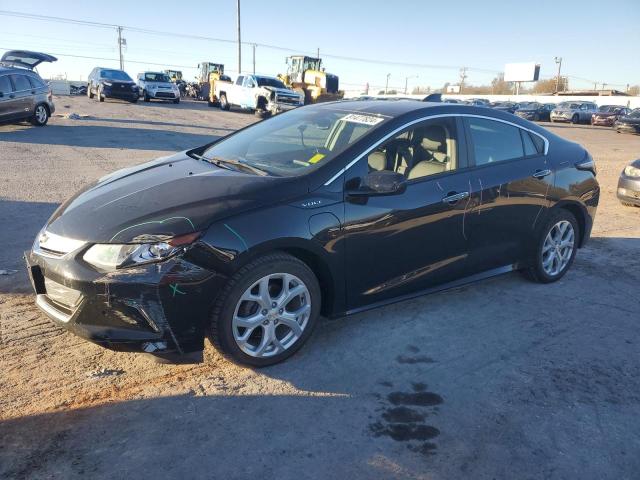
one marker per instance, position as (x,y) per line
(158,308)
(629,189)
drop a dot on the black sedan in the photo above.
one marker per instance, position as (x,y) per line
(537,112)
(628,124)
(629,185)
(329,209)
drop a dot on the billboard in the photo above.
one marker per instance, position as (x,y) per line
(453,89)
(521,72)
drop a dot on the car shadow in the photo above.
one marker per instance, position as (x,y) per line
(19,224)
(79,135)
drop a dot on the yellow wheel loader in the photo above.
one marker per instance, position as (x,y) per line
(307,76)
(208,74)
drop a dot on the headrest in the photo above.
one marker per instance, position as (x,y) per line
(434,139)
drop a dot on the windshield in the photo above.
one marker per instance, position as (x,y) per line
(608,108)
(115,75)
(635,113)
(296,142)
(529,106)
(269,82)
(156,77)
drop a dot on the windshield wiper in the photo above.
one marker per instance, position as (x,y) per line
(224,163)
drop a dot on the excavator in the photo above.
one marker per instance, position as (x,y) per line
(208,74)
(307,76)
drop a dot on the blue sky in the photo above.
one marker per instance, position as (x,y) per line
(597,43)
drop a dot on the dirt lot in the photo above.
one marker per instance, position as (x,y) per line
(504,379)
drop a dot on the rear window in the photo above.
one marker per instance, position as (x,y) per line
(21,83)
(5,84)
(494,141)
(36,82)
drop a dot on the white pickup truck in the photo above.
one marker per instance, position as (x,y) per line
(264,95)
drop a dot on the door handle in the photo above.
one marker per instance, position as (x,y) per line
(455,197)
(541,173)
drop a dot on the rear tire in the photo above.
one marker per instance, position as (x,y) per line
(40,116)
(224,104)
(551,257)
(226,331)
(575,119)
(177,100)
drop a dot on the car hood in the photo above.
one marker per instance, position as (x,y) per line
(564,110)
(285,91)
(605,114)
(526,110)
(166,197)
(632,120)
(26,59)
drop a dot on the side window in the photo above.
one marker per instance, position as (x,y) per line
(5,84)
(427,149)
(20,83)
(239,80)
(494,141)
(248,82)
(527,142)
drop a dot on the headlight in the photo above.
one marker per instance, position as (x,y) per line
(631,171)
(107,84)
(134,87)
(111,256)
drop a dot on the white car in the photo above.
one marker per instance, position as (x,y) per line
(574,112)
(158,86)
(264,95)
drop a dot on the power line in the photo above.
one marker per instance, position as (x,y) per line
(223,40)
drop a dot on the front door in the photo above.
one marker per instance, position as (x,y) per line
(408,242)
(513,177)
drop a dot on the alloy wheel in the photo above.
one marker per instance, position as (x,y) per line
(41,114)
(558,248)
(271,315)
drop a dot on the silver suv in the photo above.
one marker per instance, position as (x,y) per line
(574,112)
(157,85)
(23,94)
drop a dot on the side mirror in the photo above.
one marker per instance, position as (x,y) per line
(1,94)
(383,182)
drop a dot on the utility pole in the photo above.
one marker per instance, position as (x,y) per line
(406,81)
(239,43)
(120,47)
(559,62)
(318,52)
(463,77)
(386,87)
(254,57)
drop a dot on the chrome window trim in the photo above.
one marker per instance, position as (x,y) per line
(422,119)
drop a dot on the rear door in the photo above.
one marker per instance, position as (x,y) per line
(24,94)
(513,177)
(8,108)
(406,243)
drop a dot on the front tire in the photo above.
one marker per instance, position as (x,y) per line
(177,100)
(555,247)
(267,310)
(89,91)
(575,119)
(146,96)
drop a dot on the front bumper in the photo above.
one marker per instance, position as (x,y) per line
(279,104)
(155,308)
(122,94)
(163,94)
(627,127)
(629,189)
(605,122)
(561,117)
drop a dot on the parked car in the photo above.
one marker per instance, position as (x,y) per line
(111,83)
(608,114)
(510,107)
(323,209)
(574,112)
(477,102)
(629,123)
(629,185)
(157,85)
(534,111)
(23,94)
(264,95)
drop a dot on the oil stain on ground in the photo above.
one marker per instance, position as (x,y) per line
(404,418)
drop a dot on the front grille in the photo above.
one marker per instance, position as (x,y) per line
(61,295)
(332,84)
(165,95)
(289,100)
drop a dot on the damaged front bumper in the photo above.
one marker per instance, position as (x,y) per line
(157,308)
(281,103)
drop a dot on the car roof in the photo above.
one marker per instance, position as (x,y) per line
(23,71)
(392,108)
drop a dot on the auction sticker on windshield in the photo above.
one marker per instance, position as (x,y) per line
(364,119)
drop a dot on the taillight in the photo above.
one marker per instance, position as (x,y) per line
(587,163)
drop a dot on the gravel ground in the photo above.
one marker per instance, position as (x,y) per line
(503,379)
